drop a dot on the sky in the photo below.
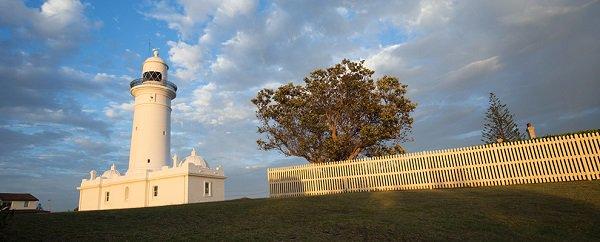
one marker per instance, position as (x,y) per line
(65,66)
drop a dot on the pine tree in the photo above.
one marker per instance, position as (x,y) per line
(498,123)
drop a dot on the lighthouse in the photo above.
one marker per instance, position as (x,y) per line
(151,129)
(154,177)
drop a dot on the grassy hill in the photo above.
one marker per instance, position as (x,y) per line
(553,211)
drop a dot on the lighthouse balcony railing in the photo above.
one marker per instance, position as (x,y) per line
(140,81)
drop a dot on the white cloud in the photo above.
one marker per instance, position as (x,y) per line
(62,12)
(475,69)
(195,13)
(108,78)
(430,13)
(74,73)
(119,111)
(387,62)
(98,81)
(211,106)
(61,22)
(537,13)
(231,8)
(184,22)
(38,37)
(222,65)
(203,95)
(342,11)
(187,60)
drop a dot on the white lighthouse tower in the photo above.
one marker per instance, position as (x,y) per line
(151,130)
(153,177)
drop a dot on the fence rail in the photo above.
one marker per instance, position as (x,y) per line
(562,158)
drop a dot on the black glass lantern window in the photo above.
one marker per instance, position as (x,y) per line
(152,76)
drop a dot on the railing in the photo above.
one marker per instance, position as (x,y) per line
(140,81)
(563,158)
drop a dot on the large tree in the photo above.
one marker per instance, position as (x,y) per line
(340,113)
(498,123)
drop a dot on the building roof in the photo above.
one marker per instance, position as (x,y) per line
(113,172)
(17,197)
(195,159)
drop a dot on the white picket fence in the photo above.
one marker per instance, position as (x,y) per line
(563,158)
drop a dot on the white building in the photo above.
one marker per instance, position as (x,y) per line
(149,180)
(18,201)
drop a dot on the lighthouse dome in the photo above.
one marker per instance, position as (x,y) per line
(113,172)
(154,68)
(195,159)
(155,58)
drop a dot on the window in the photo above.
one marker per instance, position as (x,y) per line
(155,191)
(148,160)
(126,193)
(207,189)
(26,204)
(164,132)
(152,76)
(107,196)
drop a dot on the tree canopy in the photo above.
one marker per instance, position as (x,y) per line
(340,113)
(498,123)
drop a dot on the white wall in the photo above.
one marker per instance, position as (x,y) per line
(175,186)
(89,198)
(151,128)
(196,189)
(20,205)
(171,191)
(137,190)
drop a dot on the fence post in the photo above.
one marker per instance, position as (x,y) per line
(428,170)
(582,157)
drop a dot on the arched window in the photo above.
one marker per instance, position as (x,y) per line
(207,189)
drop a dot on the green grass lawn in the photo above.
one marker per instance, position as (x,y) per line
(551,211)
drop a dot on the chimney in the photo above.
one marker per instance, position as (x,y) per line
(531,131)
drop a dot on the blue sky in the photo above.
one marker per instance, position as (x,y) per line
(66,66)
